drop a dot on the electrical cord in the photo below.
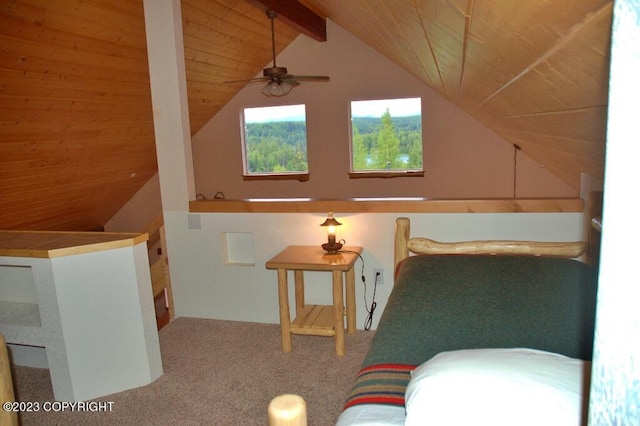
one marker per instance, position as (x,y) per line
(370,310)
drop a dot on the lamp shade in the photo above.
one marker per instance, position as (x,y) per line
(330,221)
(331,246)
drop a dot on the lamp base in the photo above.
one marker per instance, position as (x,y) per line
(332,248)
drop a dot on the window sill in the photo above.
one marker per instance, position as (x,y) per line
(385,174)
(302,177)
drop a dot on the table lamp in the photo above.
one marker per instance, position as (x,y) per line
(331,246)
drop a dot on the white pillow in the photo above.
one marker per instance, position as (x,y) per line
(497,387)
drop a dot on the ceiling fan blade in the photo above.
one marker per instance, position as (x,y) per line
(318,78)
(250,80)
(290,80)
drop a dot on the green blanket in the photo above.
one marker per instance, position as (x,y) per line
(449,302)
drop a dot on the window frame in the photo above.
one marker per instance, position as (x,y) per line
(301,176)
(383,173)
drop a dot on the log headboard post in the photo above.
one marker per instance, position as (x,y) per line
(404,246)
(401,240)
(594,211)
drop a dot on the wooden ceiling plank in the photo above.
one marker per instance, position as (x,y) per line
(242,21)
(22,169)
(79,177)
(23,132)
(117,117)
(559,48)
(16,85)
(203,73)
(16,145)
(414,48)
(445,27)
(61,62)
(567,147)
(505,35)
(89,18)
(588,124)
(70,160)
(67,106)
(571,78)
(214,61)
(468,17)
(56,39)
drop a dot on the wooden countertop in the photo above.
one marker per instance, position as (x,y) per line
(47,244)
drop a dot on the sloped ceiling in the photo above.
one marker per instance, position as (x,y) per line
(76,130)
(535,72)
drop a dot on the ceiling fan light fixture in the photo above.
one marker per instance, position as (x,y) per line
(276,88)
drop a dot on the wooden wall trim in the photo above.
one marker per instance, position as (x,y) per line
(389,205)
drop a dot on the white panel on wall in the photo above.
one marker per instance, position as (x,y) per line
(194,222)
(238,248)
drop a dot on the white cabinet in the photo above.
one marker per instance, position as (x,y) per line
(86,299)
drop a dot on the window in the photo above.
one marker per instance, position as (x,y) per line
(386,137)
(275,142)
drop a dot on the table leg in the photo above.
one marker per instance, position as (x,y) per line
(351,301)
(285,318)
(338,312)
(299,284)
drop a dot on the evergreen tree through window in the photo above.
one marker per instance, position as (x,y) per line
(386,135)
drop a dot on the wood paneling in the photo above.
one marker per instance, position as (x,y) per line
(76,130)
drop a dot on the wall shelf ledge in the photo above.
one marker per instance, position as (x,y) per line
(389,205)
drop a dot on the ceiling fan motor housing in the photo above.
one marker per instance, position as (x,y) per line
(274,72)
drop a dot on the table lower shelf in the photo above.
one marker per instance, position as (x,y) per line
(316,320)
(20,323)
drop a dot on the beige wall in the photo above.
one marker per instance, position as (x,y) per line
(139,211)
(462,157)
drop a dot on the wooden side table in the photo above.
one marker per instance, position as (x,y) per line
(317,320)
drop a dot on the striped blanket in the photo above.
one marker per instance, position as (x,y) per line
(380,384)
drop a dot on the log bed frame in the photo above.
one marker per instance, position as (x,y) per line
(587,251)
(404,246)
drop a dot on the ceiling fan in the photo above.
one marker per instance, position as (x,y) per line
(278,80)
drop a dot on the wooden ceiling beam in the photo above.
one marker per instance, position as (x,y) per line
(297,16)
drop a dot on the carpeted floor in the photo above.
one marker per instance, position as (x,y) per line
(218,373)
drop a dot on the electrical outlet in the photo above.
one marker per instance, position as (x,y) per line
(378,276)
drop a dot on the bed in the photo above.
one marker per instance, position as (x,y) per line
(495,328)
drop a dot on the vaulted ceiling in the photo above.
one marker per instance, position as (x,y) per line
(76,129)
